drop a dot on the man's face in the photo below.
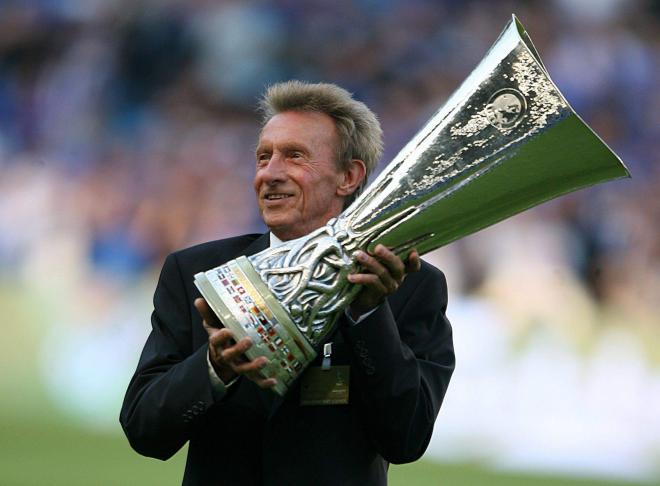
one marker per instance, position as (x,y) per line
(297,180)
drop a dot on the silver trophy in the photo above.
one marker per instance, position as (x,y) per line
(505,141)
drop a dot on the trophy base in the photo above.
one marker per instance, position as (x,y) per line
(245,305)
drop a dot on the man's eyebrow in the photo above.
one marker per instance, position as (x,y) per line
(287,146)
(260,146)
(298,146)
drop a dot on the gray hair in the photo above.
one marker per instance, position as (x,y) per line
(360,135)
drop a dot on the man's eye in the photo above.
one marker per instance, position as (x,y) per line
(295,155)
(262,158)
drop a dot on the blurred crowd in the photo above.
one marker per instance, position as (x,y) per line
(127,130)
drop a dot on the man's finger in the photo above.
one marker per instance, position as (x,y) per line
(369,280)
(220,338)
(236,352)
(391,261)
(371,264)
(414,263)
(261,380)
(266,382)
(390,279)
(251,368)
(209,317)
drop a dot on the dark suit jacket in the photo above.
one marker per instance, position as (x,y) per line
(401,359)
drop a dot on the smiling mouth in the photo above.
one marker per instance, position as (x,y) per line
(276,197)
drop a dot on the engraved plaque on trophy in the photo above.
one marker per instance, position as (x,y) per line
(505,141)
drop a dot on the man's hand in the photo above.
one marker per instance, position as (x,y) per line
(382,273)
(227,356)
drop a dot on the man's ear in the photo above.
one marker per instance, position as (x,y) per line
(352,177)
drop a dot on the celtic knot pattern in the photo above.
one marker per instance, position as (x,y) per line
(308,277)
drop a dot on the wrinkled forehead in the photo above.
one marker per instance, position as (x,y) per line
(312,128)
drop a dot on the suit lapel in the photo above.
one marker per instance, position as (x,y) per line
(223,255)
(260,244)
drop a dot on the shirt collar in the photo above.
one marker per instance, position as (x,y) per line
(274,240)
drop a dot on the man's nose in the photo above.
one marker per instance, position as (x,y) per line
(275,170)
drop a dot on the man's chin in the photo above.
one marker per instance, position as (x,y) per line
(285,232)
(277,226)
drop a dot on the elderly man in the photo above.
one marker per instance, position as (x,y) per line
(193,383)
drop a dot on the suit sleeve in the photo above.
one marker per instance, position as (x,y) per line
(171,388)
(402,365)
